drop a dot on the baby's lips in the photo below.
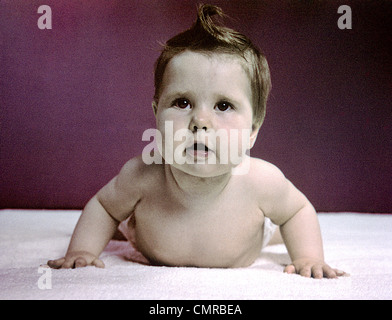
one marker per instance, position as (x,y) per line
(198,146)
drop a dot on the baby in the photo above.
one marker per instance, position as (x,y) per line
(197,206)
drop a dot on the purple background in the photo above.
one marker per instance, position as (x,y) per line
(76,99)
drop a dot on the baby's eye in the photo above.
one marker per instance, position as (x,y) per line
(224,106)
(182,103)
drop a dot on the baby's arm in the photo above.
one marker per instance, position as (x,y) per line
(99,220)
(299,226)
(302,236)
(91,235)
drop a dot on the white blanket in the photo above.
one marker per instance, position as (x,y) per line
(360,244)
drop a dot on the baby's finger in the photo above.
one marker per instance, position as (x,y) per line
(56,264)
(290,269)
(317,272)
(306,272)
(80,262)
(329,273)
(98,263)
(69,263)
(341,273)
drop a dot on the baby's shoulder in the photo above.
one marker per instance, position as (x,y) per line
(124,191)
(261,171)
(266,181)
(278,198)
(136,171)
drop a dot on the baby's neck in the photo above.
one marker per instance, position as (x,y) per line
(189,187)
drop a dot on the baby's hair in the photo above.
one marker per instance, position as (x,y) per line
(208,37)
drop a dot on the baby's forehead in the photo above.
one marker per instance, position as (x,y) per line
(224,63)
(211,57)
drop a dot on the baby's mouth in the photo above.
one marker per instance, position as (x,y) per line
(198,150)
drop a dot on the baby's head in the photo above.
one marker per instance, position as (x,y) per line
(211,89)
(209,38)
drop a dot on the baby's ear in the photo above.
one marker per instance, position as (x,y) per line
(155,107)
(253,136)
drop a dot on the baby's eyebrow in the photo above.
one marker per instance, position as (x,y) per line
(228,98)
(178,94)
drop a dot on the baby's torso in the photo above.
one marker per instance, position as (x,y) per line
(223,231)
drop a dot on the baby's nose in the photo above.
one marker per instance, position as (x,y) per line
(201,120)
(195,128)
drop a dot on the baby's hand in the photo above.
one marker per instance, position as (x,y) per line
(76,259)
(313,268)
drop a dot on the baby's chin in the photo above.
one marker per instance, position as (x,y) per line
(204,170)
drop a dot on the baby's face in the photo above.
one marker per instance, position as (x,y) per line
(206,100)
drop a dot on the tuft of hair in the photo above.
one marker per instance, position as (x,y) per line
(209,35)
